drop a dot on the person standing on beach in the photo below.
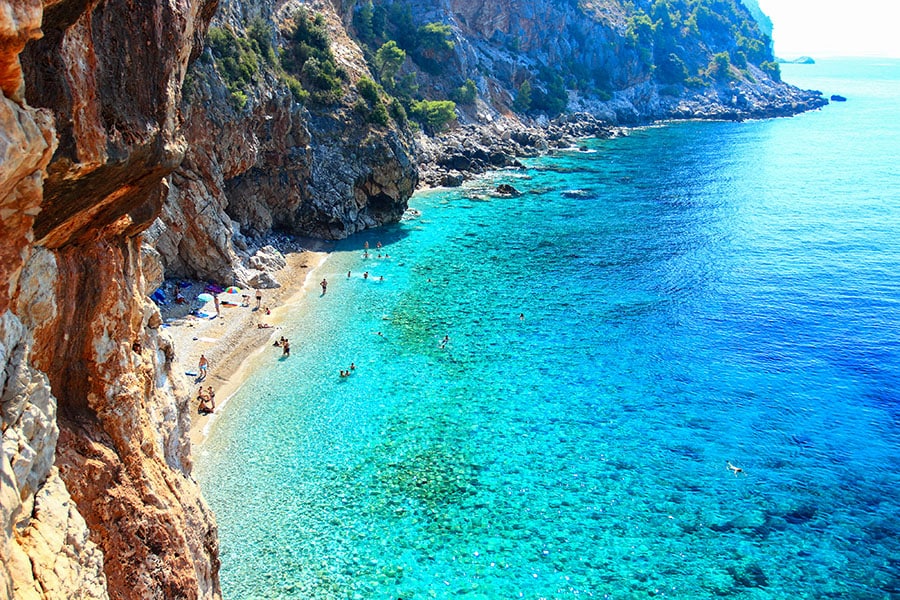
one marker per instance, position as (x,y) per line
(258,299)
(324,285)
(203,366)
(218,310)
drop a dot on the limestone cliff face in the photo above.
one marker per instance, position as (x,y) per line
(97,499)
(45,548)
(275,164)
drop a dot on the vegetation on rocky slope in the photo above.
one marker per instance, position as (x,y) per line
(593,48)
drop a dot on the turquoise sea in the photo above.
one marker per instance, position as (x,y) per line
(692,295)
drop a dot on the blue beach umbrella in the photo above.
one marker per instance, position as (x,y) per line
(205,297)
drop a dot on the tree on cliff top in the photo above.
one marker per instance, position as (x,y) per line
(388,60)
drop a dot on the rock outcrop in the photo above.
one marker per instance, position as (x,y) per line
(275,164)
(97,499)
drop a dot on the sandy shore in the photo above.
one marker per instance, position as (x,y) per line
(231,340)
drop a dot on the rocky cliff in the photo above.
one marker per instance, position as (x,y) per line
(97,499)
(627,62)
(260,160)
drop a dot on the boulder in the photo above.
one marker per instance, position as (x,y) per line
(506,189)
(452,179)
(268,259)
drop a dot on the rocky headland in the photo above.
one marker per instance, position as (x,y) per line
(146,141)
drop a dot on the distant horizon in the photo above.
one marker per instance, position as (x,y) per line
(829,29)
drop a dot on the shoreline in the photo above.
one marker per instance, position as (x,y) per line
(233,342)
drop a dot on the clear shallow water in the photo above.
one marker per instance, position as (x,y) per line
(692,294)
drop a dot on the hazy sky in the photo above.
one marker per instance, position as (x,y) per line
(835,27)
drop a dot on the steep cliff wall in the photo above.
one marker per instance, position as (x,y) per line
(45,548)
(259,160)
(97,499)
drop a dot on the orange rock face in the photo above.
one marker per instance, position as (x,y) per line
(97,499)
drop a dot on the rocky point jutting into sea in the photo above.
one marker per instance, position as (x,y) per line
(151,140)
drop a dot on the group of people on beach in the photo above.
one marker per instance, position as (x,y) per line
(207,400)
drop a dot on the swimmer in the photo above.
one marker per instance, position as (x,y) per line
(348,274)
(352,366)
(521,316)
(366,275)
(444,341)
(737,470)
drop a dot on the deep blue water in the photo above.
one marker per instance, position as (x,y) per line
(692,294)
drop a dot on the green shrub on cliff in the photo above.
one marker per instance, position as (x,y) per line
(672,69)
(522,102)
(368,89)
(308,57)
(388,60)
(260,34)
(362,22)
(772,69)
(370,105)
(296,88)
(639,35)
(465,94)
(720,67)
(434,115)
(554,97)
(433,47)
(237,61)
(398,113)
